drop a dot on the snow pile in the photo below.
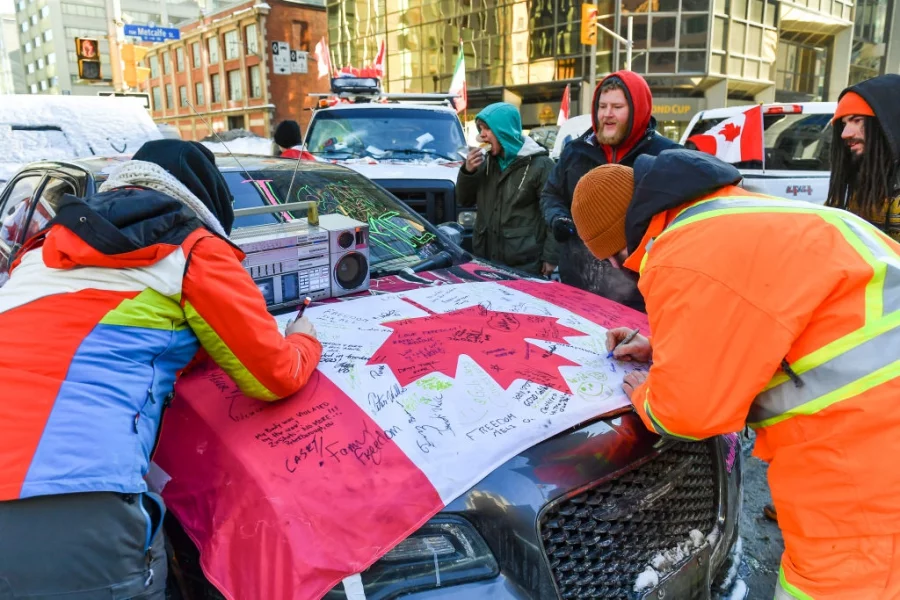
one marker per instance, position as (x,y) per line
(647,579)
(38,127)
(667,560)
(740,590)
(243,145)
(737,552)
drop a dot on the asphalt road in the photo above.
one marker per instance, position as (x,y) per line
(762,540)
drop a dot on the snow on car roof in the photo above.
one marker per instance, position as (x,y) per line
(38,127)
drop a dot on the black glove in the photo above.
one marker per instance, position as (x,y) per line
(563,229)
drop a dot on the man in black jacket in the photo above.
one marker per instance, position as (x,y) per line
(623,129)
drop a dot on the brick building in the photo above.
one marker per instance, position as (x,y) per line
(226,66)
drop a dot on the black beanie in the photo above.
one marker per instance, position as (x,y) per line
(287,134)
(194,165)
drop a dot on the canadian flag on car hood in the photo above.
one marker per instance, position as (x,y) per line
(419,395)
(737,139)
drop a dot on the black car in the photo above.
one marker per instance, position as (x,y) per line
(579,515)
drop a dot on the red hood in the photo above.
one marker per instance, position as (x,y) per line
(641,101)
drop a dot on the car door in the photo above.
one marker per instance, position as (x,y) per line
(27,206)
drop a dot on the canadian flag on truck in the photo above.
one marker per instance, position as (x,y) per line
(323,58)
(737,139)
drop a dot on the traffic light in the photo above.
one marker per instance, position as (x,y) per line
(88,51)
(588,24)
(133,74)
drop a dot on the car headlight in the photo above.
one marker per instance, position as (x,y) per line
(445,551)
(466,218)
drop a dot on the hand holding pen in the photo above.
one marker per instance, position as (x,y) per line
(301,324)
(627,345)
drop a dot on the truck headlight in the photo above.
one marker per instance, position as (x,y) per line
(466,218)
(446,551)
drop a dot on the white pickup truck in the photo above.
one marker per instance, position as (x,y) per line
(797,141)
(797,148)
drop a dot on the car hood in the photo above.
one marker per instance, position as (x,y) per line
(398,169)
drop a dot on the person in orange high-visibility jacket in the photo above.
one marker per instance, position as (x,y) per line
(778,314)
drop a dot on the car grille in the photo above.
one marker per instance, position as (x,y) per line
(429,204)
(600,540)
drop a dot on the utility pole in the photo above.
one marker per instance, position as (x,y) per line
(114,30)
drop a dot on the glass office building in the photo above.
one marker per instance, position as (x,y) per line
(694,53)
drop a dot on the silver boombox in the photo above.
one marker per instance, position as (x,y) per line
(289,261)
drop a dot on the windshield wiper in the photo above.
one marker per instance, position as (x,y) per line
(418,151)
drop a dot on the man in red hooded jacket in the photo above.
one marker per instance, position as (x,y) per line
(623,129)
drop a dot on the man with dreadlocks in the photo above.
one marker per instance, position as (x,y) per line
(865,152)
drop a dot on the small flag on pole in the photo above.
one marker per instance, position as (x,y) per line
(458,83)
(379,60)
(564,108)
(323,58)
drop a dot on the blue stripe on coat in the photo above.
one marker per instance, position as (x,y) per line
(93,441)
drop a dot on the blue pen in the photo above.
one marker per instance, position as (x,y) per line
(627,339)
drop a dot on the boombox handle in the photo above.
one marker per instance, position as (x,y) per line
(264,210)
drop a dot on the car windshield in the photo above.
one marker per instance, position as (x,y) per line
(397,237)
(794,142)
(386,132)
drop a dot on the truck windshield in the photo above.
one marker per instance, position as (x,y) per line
(794,142)
(386,132)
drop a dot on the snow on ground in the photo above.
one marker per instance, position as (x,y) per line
(647,579)
(38,127)
(244,145)
(740,590)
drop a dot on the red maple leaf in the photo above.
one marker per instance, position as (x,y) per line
(494,340)
(730,132)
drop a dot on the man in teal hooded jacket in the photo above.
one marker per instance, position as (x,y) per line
(505,183)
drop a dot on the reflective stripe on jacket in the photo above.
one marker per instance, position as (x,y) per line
(786,315)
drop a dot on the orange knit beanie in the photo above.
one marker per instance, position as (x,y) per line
(598,208)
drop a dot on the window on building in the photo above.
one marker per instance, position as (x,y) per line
(34,19)
(54,81)
(48,35)
(300,36)
(154,66)
(195,54)
(232,45)
(24,26)
(157,98)
(21,5)
(170,98)
(182,95)
(28,47)
(179,59)
(234,85)
(255,82)
(43,85)
(215,83)
(31,68)
(45,12)
(198,94)
(251,34)
(165,62)
(37,42)
(41,63)
(51,58)
(33,88)
(213,46)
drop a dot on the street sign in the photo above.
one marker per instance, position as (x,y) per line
(299,61)
(145,98)
(152,34)
(281,58)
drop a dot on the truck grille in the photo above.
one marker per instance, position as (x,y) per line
(600,540)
